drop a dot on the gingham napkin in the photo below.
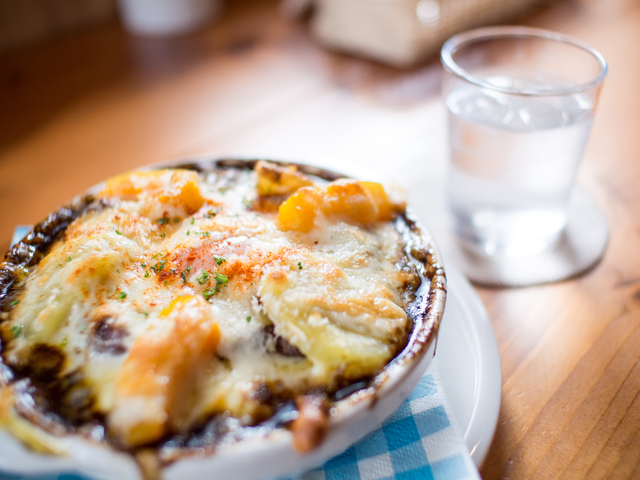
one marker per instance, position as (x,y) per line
(419,441)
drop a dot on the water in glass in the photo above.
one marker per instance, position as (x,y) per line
(513,163)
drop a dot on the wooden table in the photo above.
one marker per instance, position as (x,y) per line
(83,107)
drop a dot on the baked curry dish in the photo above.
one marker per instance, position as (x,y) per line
(173,309)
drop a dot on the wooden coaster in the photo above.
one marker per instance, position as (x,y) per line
(579,249)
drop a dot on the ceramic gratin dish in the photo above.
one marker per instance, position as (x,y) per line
(263,450)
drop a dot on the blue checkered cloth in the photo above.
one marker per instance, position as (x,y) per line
(419,441)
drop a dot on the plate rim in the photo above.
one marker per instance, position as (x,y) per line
(478,433)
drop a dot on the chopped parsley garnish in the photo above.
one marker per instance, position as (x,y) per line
(146,274)
(14,303)
(204,234)
(248,319)
(162,221)
(162,235)
(219,260)
(188,269)
(116,230)
(203,278)
(183,277)
(16,330)
(64,342)
(176,220)
(211,213)
(69,259)
(173,271)
(143,265)
(220,281)
(158,266)
(165,282)
(188,232)
(208,293)
(193,220)
(122,295)
(299,265)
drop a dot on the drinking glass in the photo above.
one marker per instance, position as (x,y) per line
(520,104)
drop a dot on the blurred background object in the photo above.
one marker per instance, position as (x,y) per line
(403,32)
(166,17)
(24,22)
(395,32)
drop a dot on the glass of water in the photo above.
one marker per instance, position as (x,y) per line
(520,103)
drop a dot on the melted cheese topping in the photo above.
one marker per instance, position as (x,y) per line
(171,303)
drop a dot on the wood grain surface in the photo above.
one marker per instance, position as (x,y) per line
(80,108)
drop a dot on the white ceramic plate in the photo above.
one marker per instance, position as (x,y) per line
(468,362)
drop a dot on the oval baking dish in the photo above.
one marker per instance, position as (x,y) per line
(77,436)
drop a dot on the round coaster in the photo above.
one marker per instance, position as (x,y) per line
(579,249)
